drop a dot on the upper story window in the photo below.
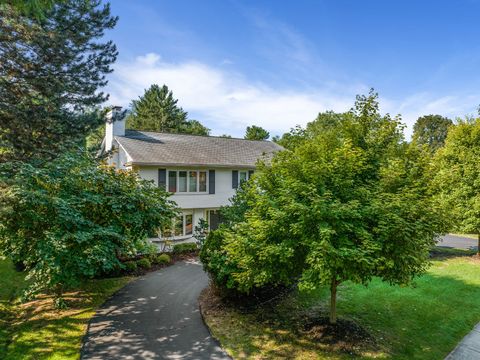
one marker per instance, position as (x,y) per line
(187,181)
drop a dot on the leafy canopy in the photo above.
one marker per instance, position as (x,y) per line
(157,110)
(348,202)
(431,130)
(75,217)
(457,176)
(51,70)
(256,133)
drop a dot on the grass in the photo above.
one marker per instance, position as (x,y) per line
(424,321)
(37,331)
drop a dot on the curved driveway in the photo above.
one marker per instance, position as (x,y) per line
(154,317)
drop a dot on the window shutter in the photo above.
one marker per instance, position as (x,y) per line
(234,179)
(162,178)
(250,173)
(211,181)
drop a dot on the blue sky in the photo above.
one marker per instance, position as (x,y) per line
(278,63)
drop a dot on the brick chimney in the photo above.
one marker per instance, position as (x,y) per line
(115,126)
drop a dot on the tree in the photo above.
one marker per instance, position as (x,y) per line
(256,133)
(51,70)
(157,110)
(75,218)
(349,202)
(431,130)
(457,177)
(34,8)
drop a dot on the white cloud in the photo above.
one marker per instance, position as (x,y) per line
(227,102)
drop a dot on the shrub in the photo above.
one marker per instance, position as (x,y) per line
(130,266)
(184,248)
(144,263)
(162,259)
(74,217)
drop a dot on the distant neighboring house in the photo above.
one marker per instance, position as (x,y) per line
(201,172)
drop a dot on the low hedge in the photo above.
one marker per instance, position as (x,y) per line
(144,263)
(184,248)
(162,259)
(130,265)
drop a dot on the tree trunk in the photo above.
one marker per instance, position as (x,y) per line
(333,301)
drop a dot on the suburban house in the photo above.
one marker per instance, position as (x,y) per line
(201,172)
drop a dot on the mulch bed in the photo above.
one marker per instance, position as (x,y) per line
(345,336)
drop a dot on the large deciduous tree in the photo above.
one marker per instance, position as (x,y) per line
(51,70)
(431,130)
(457,177)
(157,110)
(348,202)
(74,218)
(256,133)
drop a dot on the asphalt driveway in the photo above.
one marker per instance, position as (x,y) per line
(154,317)
(458,242)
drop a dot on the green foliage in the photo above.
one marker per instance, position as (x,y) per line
(256,133)
(200,232)
(431,130)
(74,218)
(51,71)
(144,263)
(184,248)
(457,176)
(162,259)
(130,266)
(348,202)
(157,110)
(34,8)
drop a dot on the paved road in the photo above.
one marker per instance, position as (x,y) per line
(458,242)
(154,317)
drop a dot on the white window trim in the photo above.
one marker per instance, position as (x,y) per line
(184,224)
(198,192)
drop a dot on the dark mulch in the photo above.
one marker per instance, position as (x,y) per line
(345,335)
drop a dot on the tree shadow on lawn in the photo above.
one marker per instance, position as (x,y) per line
(423,321)
(41,331)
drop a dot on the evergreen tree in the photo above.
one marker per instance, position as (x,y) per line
(51,69)
(256,133)
(157,110)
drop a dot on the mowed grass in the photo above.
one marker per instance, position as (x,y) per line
(36,330)
(424,321)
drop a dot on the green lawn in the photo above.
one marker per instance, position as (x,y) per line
(36,330)
(425,321)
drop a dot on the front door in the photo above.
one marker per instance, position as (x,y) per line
(214,219)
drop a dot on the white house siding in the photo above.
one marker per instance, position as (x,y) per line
(197,203)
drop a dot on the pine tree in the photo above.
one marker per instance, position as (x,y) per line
(157,110)
(256,133)
(51,69)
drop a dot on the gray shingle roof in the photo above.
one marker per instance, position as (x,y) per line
(150,148)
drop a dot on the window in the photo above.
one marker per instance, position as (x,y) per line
(182,181)
(172,181)
(181,226)
(192,181)
(242,176)
(188,224)
(202,181)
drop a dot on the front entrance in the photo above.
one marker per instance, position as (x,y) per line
(214,219)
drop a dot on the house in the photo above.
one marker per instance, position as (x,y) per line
(201,172)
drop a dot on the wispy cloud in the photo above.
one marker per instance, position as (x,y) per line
(227,101)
